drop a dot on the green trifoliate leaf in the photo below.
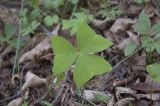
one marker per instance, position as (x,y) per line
(50,20)
(9,30)
(131,47)
(144,20)
(156,29)
(89,41)
(148,43)
(62,47)
(87,66)
(144,24)
(154,71)
(62,63)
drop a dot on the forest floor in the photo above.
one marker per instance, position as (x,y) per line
(26,54)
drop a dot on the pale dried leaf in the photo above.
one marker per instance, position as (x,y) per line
(121,24)
(111,101)
(100,24)
(18,101)
(153,96)
(134,37)
(124,102)
(33,80)
(124,43)
(123,90)
(38,51)
(91,95)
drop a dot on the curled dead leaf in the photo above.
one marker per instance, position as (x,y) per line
(124,102)
(123,90)
(111,101)
(124,43)
(19,101)
(100,24)
(38,51)
(33,80)
(92,95)
(121,24)
(153,96)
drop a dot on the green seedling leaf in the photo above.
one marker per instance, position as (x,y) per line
(148,43)
(73,24)
(87,66)
(102,98)
(144,24)
(92,42)
(154,71)
(86,63)
(35,3)
(9,30)
(35,14)
(158,47)
(14,42)
(50,20)
(156,29)
(131,47)
(2,38)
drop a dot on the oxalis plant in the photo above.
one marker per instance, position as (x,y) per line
(150,38)
(82,56)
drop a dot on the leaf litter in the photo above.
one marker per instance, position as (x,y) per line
(127,84)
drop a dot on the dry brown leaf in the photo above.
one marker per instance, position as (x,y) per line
(124,102)
(33,80)
(38,51)
(111,101)
(100,24)
(124,43)
(91,95)
(148,86)
(138,62)
(14,79)
(123,90)
(18,101)
(134,37)
(152,96)
(121,24)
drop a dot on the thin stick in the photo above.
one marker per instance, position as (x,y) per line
(19,34)
(127,57)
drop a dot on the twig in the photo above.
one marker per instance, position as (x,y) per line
(127,58)
(74,10)
(19,34)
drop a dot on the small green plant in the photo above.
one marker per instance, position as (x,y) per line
(83,57)
(8,36)
(29,22)
(72,24)
(50,20)
(141,1)
(108,10)
(153,70)
(150,36)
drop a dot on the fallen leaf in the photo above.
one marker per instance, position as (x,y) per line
(42,48)
(122,24)
(32,80)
